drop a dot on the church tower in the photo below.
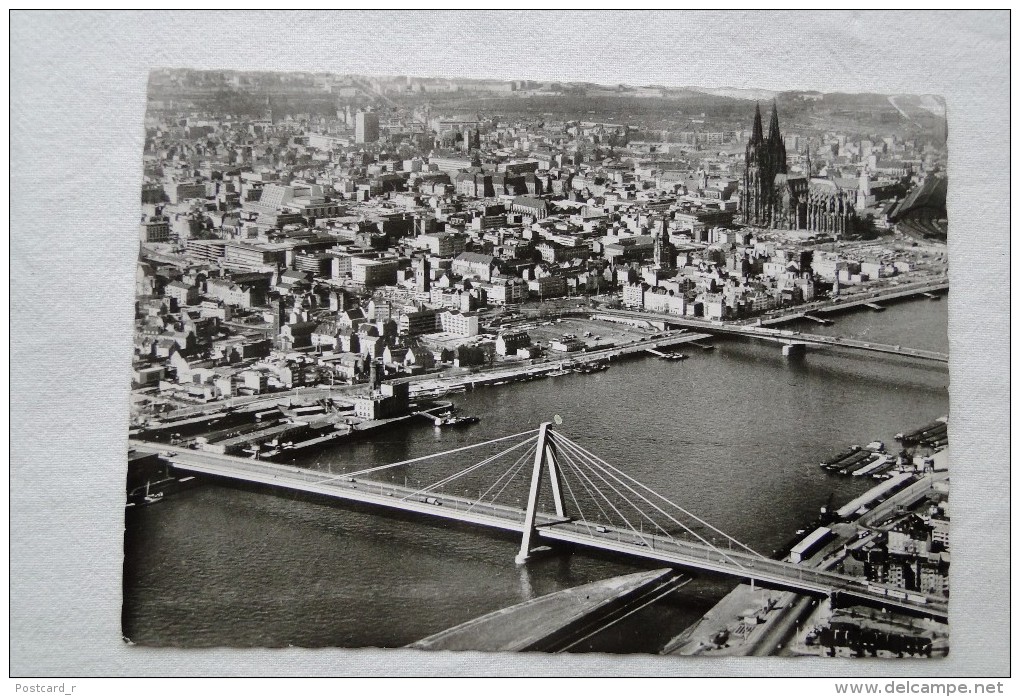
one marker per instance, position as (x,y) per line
(775,145)
(751,196)
(663,253)
(764,159)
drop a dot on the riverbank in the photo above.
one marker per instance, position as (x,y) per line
(751,621)
(557,621)
(749,429)
(499,375)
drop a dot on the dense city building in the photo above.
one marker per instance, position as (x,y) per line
(325,258)
(365,220)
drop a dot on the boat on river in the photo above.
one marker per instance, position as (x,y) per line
(455,421)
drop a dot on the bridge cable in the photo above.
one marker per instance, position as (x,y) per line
(650,503)
(591,495)
(609,484)
(511,471)
(589,486)
(476,466)
(471,468)
(721,552)
(516,469)
(629,502)
(621,495)
(523,462)
(428,457)
(622,517)
(658,495)
(570,490)
(624,497)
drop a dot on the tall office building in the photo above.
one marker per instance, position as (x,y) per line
(366,127)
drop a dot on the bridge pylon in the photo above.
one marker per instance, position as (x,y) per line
(545,459)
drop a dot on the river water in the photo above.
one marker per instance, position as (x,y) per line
(734,435)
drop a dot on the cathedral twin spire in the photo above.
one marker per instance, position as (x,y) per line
(769,150)
(768,200)
(757,131)
(765,158)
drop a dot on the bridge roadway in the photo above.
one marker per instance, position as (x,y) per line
(762,329)
(897,293)
(681,552)
(785,336)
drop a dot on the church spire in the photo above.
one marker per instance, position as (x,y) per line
(774,134)
(756,136)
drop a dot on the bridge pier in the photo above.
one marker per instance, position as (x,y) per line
(794,350)
(545,456)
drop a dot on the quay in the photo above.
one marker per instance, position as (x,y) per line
(694,331)
(559,621)
(500,374)
(751,621)
(428,382)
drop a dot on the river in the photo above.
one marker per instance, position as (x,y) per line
(734,435)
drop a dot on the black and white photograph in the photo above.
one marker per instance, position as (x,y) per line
(509,343)
(539,366)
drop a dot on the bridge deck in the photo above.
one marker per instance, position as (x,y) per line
(765,330)
(839,341)
(681,552)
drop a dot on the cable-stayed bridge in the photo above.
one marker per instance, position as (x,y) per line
(548,488)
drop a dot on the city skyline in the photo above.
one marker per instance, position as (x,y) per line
(327,260)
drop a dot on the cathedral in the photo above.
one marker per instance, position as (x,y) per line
(772,198)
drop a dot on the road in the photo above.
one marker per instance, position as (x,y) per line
(510,369)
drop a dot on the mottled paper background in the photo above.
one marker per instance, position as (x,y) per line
(77,102)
